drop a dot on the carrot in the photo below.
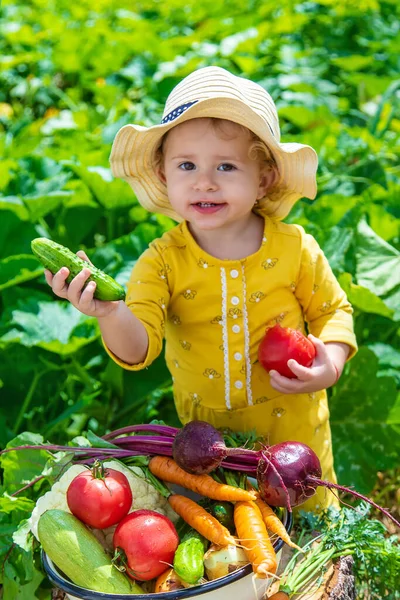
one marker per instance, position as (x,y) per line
(272,522)
(279,596)
(198,518)
(166,469)
(253,534)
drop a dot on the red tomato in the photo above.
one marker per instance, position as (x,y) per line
(281,344)
(100,498)
(149,541)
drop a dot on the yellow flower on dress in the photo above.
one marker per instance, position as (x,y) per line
(293,286)
(315,288)
(261,399)
(269,263)
(164,272)
(185,345)
(175,320)
(161,302)
(216,320)
(277,319)
(234,313)
(204,264)
(256,296)
(324,306)
(189,294)
(243,369)
(278,412)
(196,399)
(211,374)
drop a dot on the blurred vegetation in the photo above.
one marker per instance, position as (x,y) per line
(71,74)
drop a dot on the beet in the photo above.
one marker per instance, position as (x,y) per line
(199,448)
(289,473)
(283,474)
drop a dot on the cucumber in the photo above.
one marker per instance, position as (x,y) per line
(188,559)
(223,512)
(74,549)
(53,256)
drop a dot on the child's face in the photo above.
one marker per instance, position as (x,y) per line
(211,181)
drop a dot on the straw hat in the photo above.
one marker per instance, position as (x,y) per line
(214,92)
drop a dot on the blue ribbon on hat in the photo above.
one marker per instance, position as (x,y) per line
(174,114)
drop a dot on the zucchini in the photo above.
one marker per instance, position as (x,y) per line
(188,559)
(74,549)
(53,256)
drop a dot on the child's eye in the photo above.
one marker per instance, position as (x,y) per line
(226,167)
(187,166)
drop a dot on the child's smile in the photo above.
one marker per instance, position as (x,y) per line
(208,207)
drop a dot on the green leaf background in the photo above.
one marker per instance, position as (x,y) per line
(70,76)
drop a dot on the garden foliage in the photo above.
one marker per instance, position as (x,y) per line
(71,74)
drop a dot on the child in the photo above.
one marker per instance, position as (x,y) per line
(229,269)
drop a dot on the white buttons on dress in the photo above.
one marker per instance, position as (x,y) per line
(235,300)
(237,356)
(236,328)
(238,385)
(234,273)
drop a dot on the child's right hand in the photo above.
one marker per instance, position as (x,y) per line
(81,298)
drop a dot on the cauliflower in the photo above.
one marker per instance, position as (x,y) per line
(54,498)
(144,496)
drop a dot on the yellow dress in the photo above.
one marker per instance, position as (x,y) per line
(213,314)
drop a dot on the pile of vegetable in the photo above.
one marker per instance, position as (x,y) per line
(96,518)
(90,525)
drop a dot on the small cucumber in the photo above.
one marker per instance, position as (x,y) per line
(53,256)
(188,559)
(75,550)
(223,512)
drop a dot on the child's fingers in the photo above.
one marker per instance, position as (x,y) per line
(284,384)
(48,275)
(320,347)
(82,254)
(59,285)
(76,285)
(302,373)
(86,298)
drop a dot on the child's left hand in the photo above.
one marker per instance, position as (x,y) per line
(323,373)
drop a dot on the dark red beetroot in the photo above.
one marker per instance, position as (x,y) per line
(289,473)
(281,344)
(199,448)
(283,471)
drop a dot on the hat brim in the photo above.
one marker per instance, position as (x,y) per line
(133,152)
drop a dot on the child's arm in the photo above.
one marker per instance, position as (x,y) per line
(122,332)
(329,317)
(124,335)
